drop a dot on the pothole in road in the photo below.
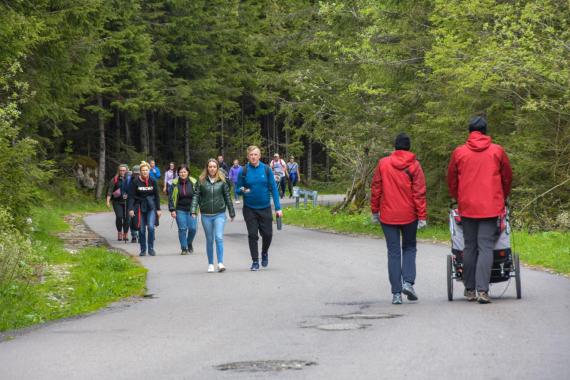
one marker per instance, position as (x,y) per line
(265,365)
(367,316)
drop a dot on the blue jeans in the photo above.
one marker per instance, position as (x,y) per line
(401,259)
(186,228)
(214,229)
(236,195)
(148,220)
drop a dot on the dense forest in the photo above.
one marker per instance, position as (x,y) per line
(100,82)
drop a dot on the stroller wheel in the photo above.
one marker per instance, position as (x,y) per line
(518,275)
(449,278)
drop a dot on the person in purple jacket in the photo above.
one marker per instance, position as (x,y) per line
(234,175)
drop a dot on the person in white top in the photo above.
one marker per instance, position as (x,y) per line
(279,168)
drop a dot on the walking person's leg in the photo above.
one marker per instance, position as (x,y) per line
(126,222)
(252,224)
(392,236)
(265,218)
(409,250)
(182,223)
(470,253)
(236,195)
(219,223)
(208,224)
(142,232)
(118,218)
(486,238)
(151,221)
(192,229)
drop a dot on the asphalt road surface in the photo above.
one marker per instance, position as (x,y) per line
(322,308)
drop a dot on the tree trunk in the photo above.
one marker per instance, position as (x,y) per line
(127,129)
(222,133)
(144,134)
(187,142)
(309,176)
(327,165)
(287,144)
(153,134)
(102,149)
(117,132)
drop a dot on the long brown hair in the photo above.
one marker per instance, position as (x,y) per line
(220,176)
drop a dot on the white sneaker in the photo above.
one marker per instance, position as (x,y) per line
(221,267)
(211,268)
(238,202)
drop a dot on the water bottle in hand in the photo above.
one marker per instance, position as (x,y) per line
(279,222)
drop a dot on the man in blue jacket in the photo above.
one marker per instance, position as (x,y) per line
(257,185)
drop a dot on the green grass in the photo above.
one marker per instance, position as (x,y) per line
(547,249)
(71,284)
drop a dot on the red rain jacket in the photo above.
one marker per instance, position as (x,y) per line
(399,189)
(479,177)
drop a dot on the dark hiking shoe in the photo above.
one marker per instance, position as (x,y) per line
(409,291)
(151,252)
(470,295)
(264,260)
(483,297)
(133,239)
(143,253)
(254,266)
(191,249)
(125,236)
(184,251)
(397,299)
(120,236)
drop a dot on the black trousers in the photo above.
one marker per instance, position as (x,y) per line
(258,222)
(121,216)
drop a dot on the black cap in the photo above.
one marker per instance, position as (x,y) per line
(402,142)
(478,123)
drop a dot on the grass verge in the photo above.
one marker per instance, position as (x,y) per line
(547,249)
(67,284)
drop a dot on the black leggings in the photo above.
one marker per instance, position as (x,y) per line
(121,216)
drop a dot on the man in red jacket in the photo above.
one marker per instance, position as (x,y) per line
(479,177)
(398,201)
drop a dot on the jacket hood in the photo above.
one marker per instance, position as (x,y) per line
(478,142)
(401,159)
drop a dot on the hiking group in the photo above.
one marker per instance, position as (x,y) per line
(479,181)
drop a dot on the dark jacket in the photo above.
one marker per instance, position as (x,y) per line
(181,194)
(144,196)
(399,189)
(212,198)
(118,183)
(479,176)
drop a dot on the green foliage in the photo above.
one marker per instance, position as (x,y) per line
(52,283)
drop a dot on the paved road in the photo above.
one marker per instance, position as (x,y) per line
(199,320)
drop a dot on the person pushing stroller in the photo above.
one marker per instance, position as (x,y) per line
(479,178)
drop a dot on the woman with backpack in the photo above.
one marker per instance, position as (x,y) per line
(179,204)
(117,194)
(144,207)
(212,196)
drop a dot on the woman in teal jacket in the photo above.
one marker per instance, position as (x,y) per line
(212,196)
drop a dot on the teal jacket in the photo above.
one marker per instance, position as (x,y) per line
(212,198)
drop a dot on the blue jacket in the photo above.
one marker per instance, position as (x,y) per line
(261,188)
(155,173)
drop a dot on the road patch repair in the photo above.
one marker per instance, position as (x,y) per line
(266,365)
